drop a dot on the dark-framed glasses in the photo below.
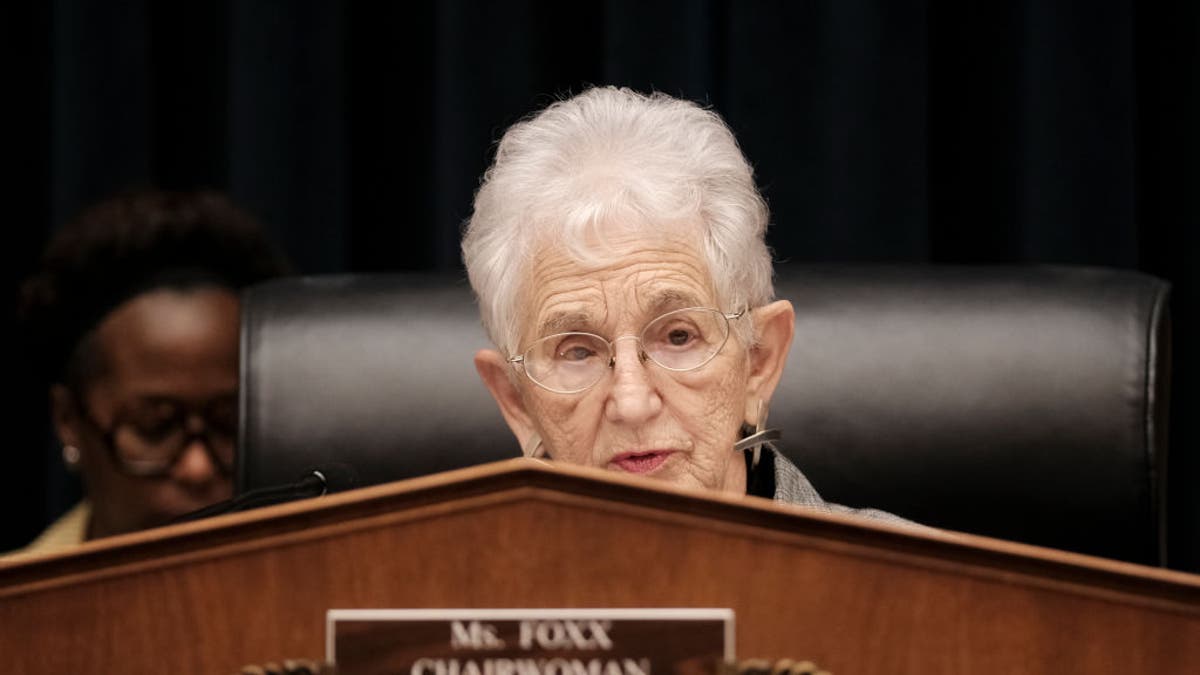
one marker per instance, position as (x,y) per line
(678,341)
(147,439)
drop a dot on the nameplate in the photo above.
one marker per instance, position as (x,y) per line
(529,641)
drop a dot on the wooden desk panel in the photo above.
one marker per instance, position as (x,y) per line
(855,597)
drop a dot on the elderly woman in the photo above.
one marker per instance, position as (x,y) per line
(617,251)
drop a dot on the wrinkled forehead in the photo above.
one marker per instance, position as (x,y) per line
(619,283)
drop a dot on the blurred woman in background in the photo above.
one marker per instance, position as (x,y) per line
(133,318)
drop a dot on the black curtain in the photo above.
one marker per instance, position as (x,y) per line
(934,131)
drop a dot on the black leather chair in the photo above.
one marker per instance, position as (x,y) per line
(371,371)
(1026,403)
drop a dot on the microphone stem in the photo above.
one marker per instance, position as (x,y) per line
(311,486)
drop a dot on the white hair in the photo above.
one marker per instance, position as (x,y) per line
(614,157)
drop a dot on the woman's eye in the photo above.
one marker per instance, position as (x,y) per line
(154,429)
(155,421)
(679,337)
(575,353)
(223,418)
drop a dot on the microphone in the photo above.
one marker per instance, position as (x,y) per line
(323,480)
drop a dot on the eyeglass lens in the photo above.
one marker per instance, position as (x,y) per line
(681,340)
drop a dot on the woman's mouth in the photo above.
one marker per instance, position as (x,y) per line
(640,462)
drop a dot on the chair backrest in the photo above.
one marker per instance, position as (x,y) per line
(374,371)
(1026,403)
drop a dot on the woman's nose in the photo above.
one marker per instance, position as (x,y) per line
(195,466)
(633,398)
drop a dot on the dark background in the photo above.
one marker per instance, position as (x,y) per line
(936,131)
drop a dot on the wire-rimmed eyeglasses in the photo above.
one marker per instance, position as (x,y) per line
(678,341)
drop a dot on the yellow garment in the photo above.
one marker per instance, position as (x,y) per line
(68,531)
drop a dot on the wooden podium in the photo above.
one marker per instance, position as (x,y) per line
(853,596)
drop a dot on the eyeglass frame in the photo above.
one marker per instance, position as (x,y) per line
(123,467)
(612,351)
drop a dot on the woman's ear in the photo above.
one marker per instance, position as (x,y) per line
(774,325)
(495,371)
(64,415)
